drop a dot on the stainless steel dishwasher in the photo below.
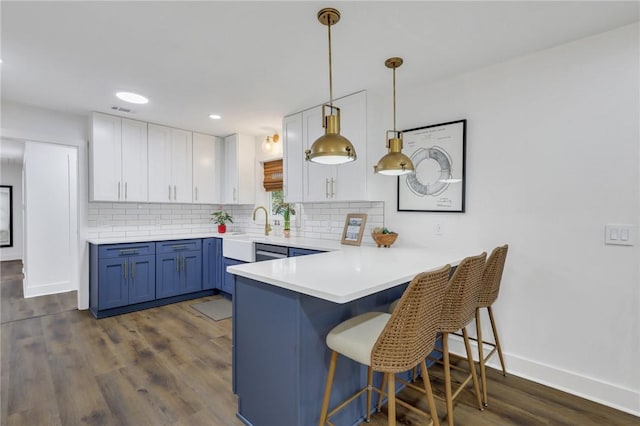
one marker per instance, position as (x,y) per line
(270,252)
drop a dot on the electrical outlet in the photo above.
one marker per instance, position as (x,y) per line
(438,229)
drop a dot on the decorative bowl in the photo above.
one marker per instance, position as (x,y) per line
(384,240)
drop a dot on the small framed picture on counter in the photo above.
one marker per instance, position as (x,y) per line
(353,228)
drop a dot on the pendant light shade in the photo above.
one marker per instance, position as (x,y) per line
(394,163)
(331,148)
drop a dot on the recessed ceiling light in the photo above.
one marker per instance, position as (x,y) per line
(214,116)
(133,98)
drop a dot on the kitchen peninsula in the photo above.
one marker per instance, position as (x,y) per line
(282,312)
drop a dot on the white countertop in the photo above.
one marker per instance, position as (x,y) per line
(350,273)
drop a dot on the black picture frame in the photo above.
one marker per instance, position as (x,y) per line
(442,190)
(6,216)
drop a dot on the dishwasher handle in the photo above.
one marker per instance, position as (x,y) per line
(270,254)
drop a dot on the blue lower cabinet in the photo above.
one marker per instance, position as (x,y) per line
(132,276)
(125,276)
(212,263)
(228,280)
(178,273)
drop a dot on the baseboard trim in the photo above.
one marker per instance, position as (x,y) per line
(611,395)
(43,290)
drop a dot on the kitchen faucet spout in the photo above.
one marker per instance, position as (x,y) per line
(267,227)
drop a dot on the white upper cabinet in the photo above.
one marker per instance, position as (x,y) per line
(118,159)
(293,154)
(320,182)
(240,170)
(207,176)
(170,164)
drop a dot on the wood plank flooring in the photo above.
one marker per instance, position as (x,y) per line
(172,366)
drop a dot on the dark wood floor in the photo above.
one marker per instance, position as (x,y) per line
(172,366)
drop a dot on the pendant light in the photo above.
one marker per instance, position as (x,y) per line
(332,148)
(394,163)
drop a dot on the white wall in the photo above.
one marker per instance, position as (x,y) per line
(552,156)
(11,174)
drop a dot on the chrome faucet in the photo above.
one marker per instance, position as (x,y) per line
(267,227)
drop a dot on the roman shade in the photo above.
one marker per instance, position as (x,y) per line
(272,180)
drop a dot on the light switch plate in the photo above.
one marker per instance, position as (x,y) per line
(622,235)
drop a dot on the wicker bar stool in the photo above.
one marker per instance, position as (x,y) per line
(458,311)
(489,291)
(391,343)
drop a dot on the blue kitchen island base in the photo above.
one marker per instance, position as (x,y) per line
(280,359)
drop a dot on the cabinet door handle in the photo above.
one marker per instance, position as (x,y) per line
(177,265)
(326,187)
(184,264)
(124,266)
(118,190)
(169,192)
(234,194)
(133,269)
(333,187)
(196,193)
(125,191)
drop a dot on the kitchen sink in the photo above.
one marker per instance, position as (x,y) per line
(239,247)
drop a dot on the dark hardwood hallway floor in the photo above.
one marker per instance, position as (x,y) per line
(172,366)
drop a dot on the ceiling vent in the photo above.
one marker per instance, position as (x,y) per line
(122,109)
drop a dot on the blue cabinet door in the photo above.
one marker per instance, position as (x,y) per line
(227,282)
(142,279)
(191,272)
(112,291)
(167,275)
(211,263)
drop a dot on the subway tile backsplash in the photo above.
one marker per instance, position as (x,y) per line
(314,220)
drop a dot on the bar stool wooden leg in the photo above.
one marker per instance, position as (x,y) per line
(391,414)
(483,373)
(429,392)
(495,337)
(327,389)
(447,378)
(472,367)
(385,377)
(369,387)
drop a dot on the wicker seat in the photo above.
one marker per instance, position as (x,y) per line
(489,291)
(391,343)
(458,311)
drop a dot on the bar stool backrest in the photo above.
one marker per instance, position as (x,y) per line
(461,298)
(410,334)
(492,276)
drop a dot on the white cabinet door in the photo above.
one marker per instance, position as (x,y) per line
(293,158)
(181,165)
(350,182)
(160,185)
(106,156)
(206,173)
(240,170)
(318,176)
(134,161)
(230,189)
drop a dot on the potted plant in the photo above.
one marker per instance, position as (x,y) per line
(221,217)
(286,210)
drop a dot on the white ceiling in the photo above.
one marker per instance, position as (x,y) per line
(254,62)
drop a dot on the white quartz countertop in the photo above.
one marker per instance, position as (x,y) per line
(350,273)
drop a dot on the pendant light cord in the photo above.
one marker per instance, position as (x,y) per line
(394,99)
(330,76)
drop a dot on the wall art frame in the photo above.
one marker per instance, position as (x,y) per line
(438,183)
(6,216)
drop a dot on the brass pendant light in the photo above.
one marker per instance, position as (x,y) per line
(332,148)
(394,163)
